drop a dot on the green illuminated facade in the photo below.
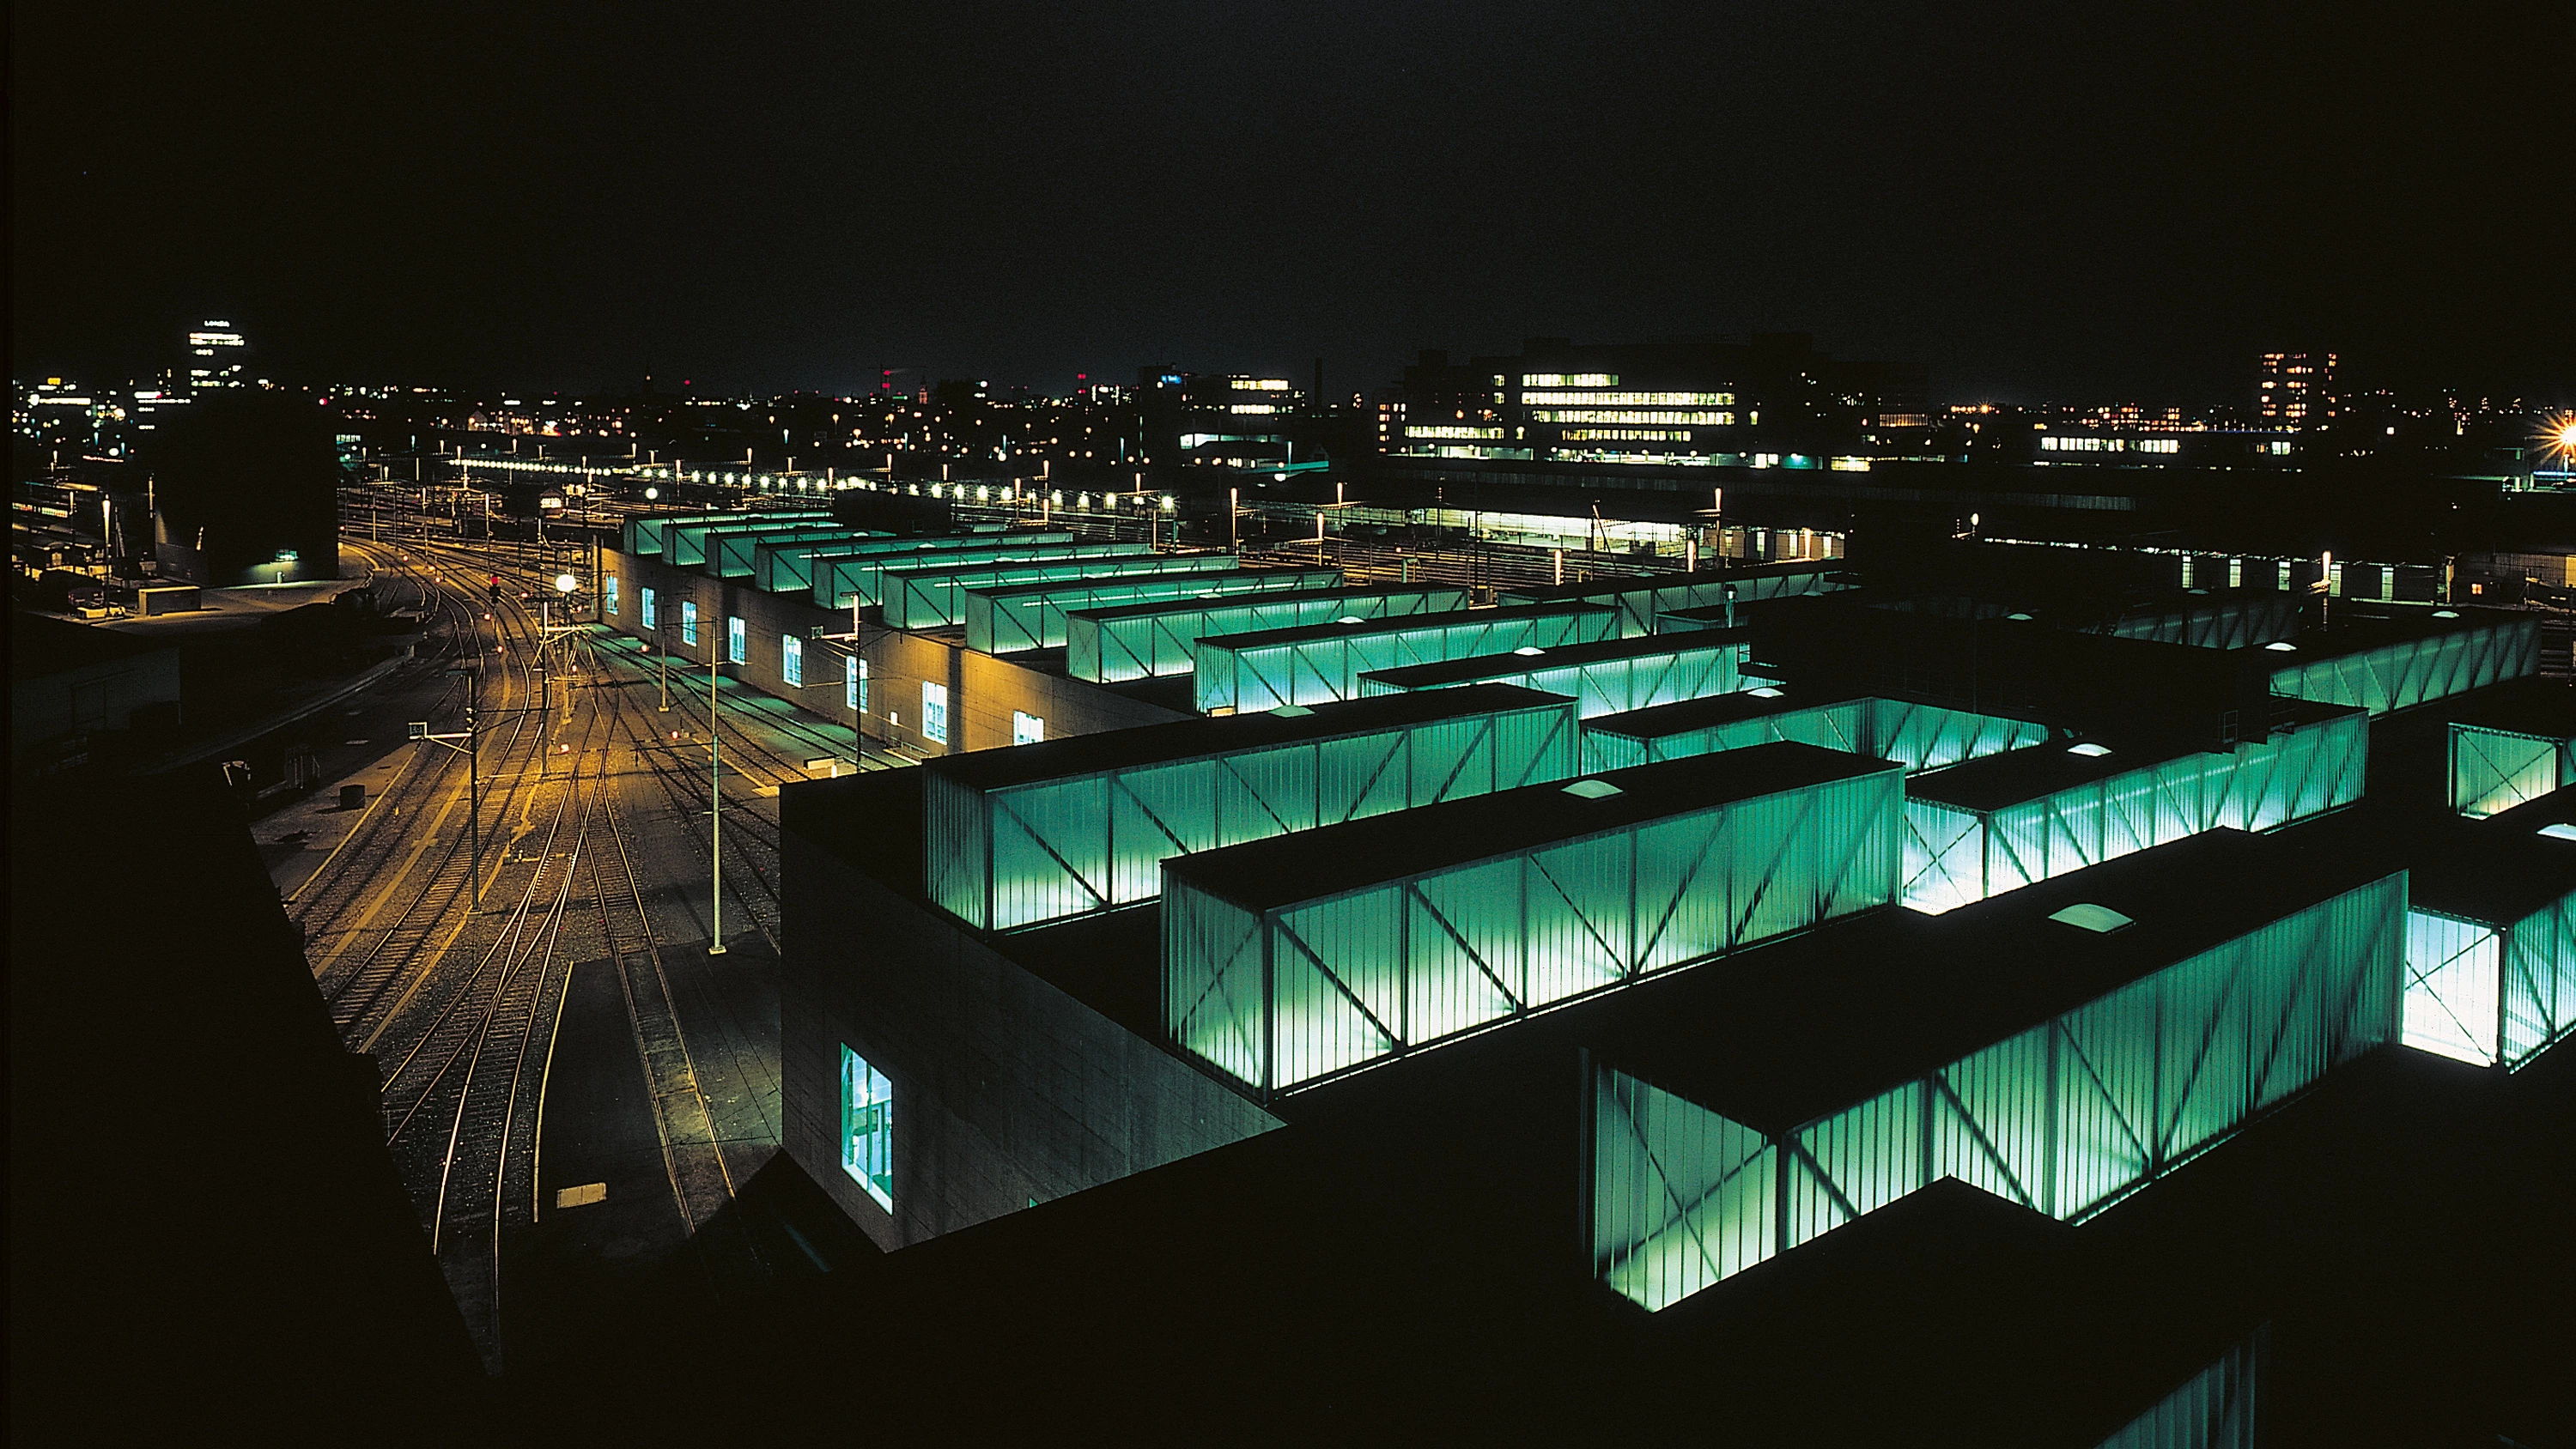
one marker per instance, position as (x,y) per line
(1027,836)
(1610,677)
(842,581)
(933,596)
(1144,641)
(1325,661)
(1014,619)
(2494,769)
(2402,672)
(1917,736)
(1291,960)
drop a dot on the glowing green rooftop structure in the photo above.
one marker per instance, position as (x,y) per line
(1144,641)
(1289,960)
(1041,832)
(1010,619)
(1608,677)
(1917,736)
(1325,661)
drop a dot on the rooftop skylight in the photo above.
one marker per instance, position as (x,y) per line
(1592,789)
(2086,916)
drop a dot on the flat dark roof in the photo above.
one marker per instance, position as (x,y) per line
(1190,739)
(1699,714)
(1485,666)
(1819,1022)
(39,645)
(2500,869)
(1607,588)
(2542,708)
(2355,631)
(1211,578)
(1309,864)
(1393,623)
(1182,606)
(1991,782)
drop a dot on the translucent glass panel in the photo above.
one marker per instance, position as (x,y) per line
(2494,770)
(1259,671)
(2539,982)
(689,622)
(1132,643)
(840,579)
(867,1127)
(1009,620)
(2413,671)
(791,659)
(933,596)
(688,545)
(1390,967)
(650,605)
(608,593)
(789,568)
(2216,1408)
(1955,855)
(2066,1118)
(2454,980)
(733,555)
(1057,848)
(1611,686)
(1640,603)
(1918,736)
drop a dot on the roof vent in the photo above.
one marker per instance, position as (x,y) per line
(1765,692)
(2283,645)
(2559,832)
(1350,619)
(2025,618)
(2089,917)
(1592,789)
(2089,749)
(1528,651)
(1292,711)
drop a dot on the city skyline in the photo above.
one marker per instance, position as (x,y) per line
(2029,207)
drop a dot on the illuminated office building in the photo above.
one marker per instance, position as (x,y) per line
(215,355)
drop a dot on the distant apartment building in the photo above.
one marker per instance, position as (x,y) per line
(2296,389)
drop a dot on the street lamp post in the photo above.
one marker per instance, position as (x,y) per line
(715,813)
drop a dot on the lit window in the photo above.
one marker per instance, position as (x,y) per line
(791,659)
(651,616)
(608,592)
(1026,729)
(867,1127)
(737,640)
(689,622)
(854,686)
(934,712)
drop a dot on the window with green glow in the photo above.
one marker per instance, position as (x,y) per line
(737,640)
(854,686)
(651,615)
(791,659)
(689,622)
(867,1127)
(608,592)
(934,712)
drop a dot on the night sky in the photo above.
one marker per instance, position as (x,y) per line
(2032,200)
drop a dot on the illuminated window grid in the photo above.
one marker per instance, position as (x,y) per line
(862,579)
(1010,619)
(1452,430)
(1958,853)
(1142,641)
(1324,662)
(867,1128)
(1568,379)
(1013,842)
(1610,677)
(2066,1117)
(2495,769)
(2411,671)
(788,568)
(1622,415)
(1628,399)
(1289,961)
(1624,435)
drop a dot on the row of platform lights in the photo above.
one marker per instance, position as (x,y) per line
(771,482)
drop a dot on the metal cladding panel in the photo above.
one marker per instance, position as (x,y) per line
(2410,672)
(957,852)
(2539,1007)
(1011,620)
(2493,770)
(2217,1408)
(1613,686)
(1127,645)
(734,555)
(1249,672)
(1412,960)
(1082,843)
(933,596)
(2066,1118)
(1955,855)
(790,567)
(840,580)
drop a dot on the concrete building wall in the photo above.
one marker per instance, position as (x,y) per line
(984,693)
(1006,1090)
